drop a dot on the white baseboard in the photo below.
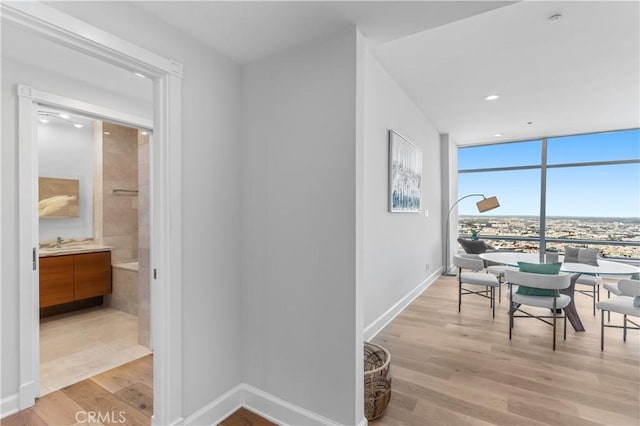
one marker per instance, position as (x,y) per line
(218,409)
(280,411)
(9,405)
(264,404)
(381,322)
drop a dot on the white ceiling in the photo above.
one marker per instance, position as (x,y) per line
(574,75)
(248,30)
(578,74)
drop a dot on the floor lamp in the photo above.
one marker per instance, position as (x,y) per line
(483,205)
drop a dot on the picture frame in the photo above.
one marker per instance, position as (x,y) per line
(405,175)
(58,198)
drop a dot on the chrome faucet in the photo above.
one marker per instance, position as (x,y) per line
(58,242)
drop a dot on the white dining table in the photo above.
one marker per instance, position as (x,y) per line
(605,267)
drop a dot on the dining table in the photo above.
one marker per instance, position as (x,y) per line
(604,267)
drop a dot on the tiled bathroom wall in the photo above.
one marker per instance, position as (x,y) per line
(119,175)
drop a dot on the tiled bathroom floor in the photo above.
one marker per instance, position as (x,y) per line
(78,345)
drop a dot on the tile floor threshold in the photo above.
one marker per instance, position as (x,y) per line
(79,345)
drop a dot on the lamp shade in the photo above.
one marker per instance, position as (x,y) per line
(487,204)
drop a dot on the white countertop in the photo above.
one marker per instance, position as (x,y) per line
(76,249)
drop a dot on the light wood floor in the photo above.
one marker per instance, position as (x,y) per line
(120,396)
(448,369)
(78,345)
(458,369)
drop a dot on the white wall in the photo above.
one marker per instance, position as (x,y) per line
(299,227)
(211,201)
(66,152)
(397,246)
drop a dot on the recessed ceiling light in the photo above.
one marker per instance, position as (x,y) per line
(144,133)
(137,74)
(44,120)
(492,97)
(107,133)
(497,135)
(529,122)
(77,125)
(554,17)
(64,116)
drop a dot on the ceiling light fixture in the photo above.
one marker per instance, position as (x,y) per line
(46,116)
(145,133)
(137,74)
(554,17)
(107,133)
(492,97)
(529,122)
(498,135)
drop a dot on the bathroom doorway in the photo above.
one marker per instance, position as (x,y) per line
(166,183)
(94,246)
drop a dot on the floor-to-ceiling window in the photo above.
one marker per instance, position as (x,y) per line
(579,190)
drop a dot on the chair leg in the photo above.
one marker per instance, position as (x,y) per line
(493,301)
(459,289)
(594,300)
(608,312)
(565,325)
(602,329)
(510,311)
(624,329)
(554,323)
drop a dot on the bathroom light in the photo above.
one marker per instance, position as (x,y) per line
(137,74)
(77,125)
(492,97)
(64,116)
(497,135)
(44,120)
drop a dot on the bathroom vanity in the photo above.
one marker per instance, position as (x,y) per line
(73,278)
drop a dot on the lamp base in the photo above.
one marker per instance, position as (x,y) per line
(449,274)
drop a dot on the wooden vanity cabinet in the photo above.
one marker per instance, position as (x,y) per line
(56,280)
(92,275)
(74,277)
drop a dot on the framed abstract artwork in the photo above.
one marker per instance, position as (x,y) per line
(405,175)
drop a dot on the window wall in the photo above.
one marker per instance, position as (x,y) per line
(577,190)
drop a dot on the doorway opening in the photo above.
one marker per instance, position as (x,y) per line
(94,246)
(166,201)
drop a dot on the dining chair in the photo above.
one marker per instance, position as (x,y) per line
(592,281)
(622,304)
(554,300)
(476,278)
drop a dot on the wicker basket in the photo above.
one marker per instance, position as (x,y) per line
(376,397)
(377,380)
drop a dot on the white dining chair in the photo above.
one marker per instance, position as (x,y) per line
(475,278)
(622,304)
(538,281)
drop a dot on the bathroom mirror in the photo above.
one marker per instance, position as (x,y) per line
(58,198)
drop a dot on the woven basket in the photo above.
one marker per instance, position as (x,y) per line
(376,362)
(377,380)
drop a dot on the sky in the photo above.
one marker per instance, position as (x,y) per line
(588,191)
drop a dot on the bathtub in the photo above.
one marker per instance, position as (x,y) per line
(124,287)
(128,266)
